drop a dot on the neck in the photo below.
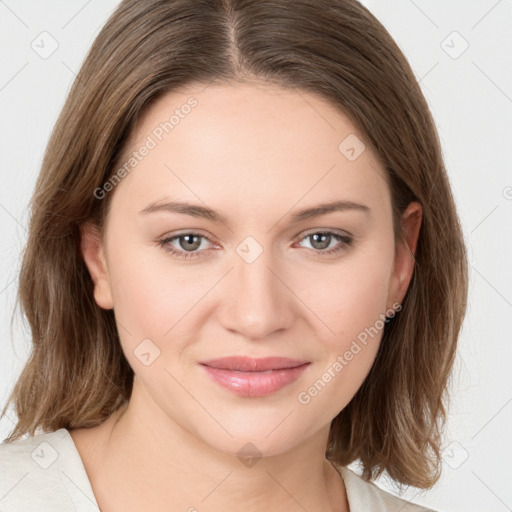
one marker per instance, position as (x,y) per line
(151,465)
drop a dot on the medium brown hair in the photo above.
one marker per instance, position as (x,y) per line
(77,376)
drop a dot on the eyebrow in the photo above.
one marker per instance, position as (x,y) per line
(199,211)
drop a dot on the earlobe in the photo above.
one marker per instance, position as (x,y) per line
(94,257)
(405,252)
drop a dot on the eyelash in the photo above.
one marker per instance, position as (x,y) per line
(165,244)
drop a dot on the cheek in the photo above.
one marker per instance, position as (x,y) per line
(361,299)
(329,391)
(151,304)
(352,303)
(148,297)
(348,297)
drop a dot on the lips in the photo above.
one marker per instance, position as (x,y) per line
(248,364)
(250,377)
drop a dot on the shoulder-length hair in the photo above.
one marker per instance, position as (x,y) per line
(76,374)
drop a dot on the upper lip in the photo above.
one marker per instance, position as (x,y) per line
(249,364)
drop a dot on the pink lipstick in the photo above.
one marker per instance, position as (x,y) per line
(249,377)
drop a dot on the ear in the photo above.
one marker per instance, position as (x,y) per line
(405,250)
(94,257)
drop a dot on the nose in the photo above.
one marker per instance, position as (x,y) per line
(256,301)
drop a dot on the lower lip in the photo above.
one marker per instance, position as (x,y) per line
(255,384)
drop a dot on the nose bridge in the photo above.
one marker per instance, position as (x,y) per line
(257,302)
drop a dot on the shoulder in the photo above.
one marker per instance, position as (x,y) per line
(44,472)
(363,496)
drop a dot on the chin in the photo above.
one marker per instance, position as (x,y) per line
(251,448)
(252,437)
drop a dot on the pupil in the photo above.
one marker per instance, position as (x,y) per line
(189,240)
(323,244)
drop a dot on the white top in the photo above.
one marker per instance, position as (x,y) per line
(44,473)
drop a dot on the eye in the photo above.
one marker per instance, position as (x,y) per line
(188,245)
(321,240)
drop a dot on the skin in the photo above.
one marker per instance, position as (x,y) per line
(256,154)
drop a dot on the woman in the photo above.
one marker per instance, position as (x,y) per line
(244,271)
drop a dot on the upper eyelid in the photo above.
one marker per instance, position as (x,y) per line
(340,232)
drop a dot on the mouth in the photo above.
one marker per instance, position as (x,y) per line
(249,377)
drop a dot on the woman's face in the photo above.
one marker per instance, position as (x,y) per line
(219,244)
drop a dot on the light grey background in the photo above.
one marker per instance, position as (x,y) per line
(470,94)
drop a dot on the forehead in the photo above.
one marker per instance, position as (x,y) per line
(225,114)
(254,141)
